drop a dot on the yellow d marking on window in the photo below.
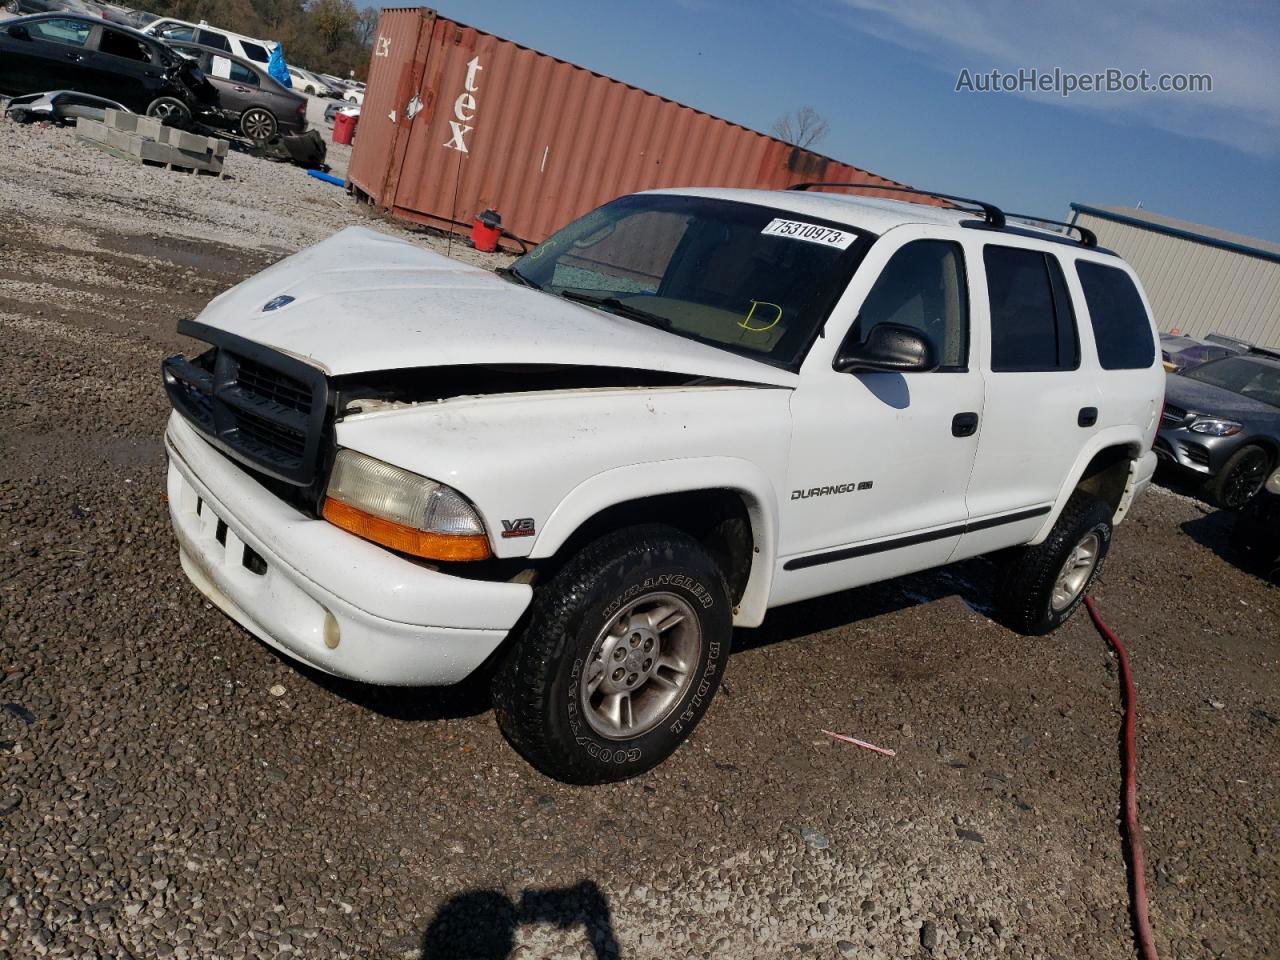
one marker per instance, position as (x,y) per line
(745,322)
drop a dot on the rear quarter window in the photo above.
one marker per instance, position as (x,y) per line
(1121,327)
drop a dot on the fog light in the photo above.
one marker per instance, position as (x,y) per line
(332,632)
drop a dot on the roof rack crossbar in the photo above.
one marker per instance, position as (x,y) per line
(1087,237)
(993,215)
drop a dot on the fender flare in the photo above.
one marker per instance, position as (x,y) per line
(1119,436)
(660,477)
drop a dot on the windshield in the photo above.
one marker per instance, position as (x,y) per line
(750,279)
(1249,378)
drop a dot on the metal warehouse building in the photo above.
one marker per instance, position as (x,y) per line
(1199,279)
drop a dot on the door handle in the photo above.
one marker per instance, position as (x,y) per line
(74,56)
(964,424)
(1087,417)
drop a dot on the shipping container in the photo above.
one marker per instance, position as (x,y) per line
(456,120)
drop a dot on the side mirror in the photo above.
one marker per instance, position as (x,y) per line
(890,347)
(18,32)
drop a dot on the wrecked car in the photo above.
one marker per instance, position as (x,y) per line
(87,55)
(678,412)
(253,103)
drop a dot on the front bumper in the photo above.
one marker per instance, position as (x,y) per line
(319,594)
(1197,452)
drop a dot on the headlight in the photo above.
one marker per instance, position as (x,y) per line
(402,510)
(1215,427)
(1273,483)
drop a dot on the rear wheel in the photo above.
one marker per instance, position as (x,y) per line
(258,124)
(1240,478)
(622,654)
(1044,584)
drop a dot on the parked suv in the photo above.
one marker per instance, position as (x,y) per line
(236,44)
(684,409)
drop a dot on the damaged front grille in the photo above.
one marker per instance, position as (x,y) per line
(263,408)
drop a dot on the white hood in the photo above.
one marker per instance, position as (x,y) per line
(365,302)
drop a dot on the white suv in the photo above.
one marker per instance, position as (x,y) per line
(682,410)
(237,44)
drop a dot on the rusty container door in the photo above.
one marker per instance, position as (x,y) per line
(395,74)
(543,141)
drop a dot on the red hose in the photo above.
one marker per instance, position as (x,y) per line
(1132,829)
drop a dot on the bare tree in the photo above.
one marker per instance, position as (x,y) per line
(801,128)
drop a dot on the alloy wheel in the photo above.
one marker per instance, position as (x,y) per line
(1075,572)
(640,666)
(1245,480)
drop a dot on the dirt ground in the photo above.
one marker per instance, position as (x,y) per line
(171,788)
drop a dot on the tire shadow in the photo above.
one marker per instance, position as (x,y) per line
(482,924)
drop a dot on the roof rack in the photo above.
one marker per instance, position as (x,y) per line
(1087,237)
(993,215)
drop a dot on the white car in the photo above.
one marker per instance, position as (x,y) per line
(237,44)
(673,415)
(304,81)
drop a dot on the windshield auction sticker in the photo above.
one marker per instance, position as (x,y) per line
(796,230)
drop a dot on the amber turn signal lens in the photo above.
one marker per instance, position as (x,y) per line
(396,536)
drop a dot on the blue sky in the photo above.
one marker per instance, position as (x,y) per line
(884,74)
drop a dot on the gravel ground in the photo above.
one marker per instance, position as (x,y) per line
(170,788)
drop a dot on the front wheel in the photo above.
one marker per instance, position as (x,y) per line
(1043,585)
(622,654)
(1240,478)
(169,110)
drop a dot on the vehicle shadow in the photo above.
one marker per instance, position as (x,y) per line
(482,924)
(973,581)
(1214,532)
(468,698)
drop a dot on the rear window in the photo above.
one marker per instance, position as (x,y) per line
(1121,327)
(1033,328)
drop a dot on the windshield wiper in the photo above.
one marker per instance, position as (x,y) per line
(511,273)
(617,306)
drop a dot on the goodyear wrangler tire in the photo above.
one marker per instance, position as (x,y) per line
(623,651)
(1044,584)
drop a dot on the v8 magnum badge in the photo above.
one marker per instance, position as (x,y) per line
(518,528)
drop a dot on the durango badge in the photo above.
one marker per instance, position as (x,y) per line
(518,528)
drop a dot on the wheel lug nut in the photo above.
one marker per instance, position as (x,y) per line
(648,645)
(618,674)
(648,663)
(635,639)
(619,653)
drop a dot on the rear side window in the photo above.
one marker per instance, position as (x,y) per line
(1121,327)
(923,286)
(176,31)
(1033,328)
(255,51)
(242,74)
(122,45)
(211,39)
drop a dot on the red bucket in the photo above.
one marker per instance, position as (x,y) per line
(486,231)
(344,127)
